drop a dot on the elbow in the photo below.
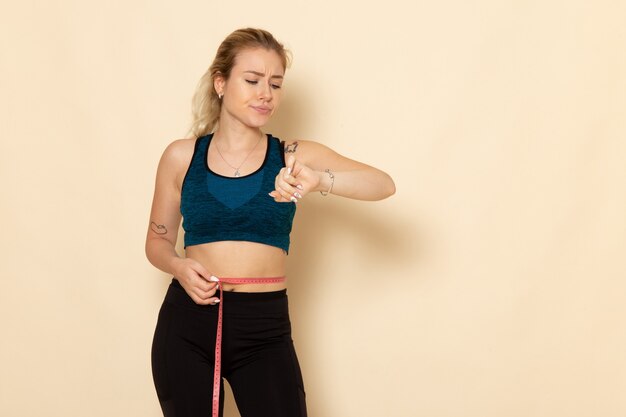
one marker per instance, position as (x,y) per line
(147,250)
(150,248)
(383,190)
(389,188)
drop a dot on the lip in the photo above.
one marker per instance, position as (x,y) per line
(262,109)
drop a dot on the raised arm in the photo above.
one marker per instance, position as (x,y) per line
(307,162)
(165,219)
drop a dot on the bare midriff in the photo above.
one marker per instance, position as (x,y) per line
(241,259)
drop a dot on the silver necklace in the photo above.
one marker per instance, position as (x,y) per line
(237,173)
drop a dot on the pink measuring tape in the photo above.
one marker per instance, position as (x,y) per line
(218,339)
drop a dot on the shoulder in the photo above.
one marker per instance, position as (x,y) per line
(291,146)
(320,157)
(180,149)
(302,147)
(306,150)
(178,152)
(176,159)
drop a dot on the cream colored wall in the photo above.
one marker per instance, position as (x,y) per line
(492,283)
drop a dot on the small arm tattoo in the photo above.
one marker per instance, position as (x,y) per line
(159,229)
(291,148)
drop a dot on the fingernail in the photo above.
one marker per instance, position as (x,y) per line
(297,194)
(293,199)
(299,187)
(214,278)
(216,301)
(289,171)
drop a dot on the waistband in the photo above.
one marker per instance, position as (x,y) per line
(248,303)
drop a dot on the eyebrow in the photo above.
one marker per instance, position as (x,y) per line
(260,74)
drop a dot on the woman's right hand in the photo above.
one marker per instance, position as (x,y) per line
(199,284)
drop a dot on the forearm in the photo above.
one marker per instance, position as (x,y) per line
(363,184)
(162,254)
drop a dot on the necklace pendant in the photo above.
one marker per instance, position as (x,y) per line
(237,174)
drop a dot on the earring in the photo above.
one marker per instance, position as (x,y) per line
(220,96)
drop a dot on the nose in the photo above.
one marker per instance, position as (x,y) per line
(265,92)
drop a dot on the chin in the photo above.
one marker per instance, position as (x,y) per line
(258,121)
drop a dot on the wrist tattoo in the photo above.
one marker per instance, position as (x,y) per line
(159,229)
(291,148)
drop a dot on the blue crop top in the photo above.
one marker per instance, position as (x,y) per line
(217,208)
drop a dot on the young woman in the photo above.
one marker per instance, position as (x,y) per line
(225,313)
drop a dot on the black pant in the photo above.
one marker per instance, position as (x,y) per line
(258,358)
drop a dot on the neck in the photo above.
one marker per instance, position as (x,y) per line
(234,135)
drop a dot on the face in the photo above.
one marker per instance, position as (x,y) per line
(253,91)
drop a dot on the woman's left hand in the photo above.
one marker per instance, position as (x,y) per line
(294,181)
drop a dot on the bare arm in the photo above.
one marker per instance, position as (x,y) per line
(307,162)
(165,215)
(165,219)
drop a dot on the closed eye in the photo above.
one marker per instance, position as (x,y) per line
(255,82)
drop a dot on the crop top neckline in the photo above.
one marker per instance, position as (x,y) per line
(206,159)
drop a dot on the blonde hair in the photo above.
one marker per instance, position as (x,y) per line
(206,105)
